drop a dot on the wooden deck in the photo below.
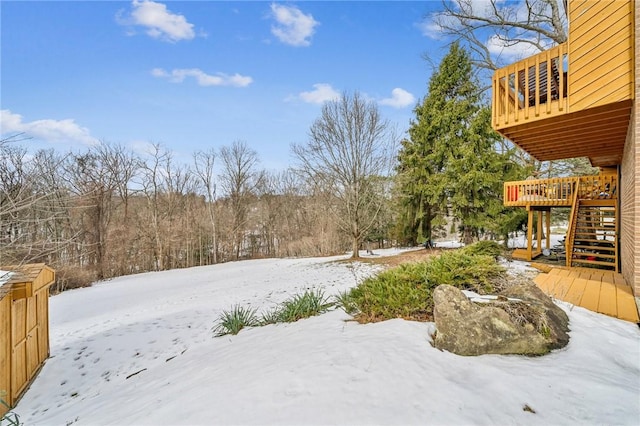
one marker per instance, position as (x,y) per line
(605,292)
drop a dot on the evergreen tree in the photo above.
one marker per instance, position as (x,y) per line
(449,164)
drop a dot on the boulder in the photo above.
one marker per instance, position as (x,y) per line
(531,325)
(554,318)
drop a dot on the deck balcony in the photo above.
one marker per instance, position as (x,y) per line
(575,99)
(532,89)
(560,192)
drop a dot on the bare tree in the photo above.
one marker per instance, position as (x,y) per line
(204,162)
(238,180)
(26,215)
(152,188)
(99,180)
(349,146)
(490,27)
(56,204)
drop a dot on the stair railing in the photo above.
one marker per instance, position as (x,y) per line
(573,219)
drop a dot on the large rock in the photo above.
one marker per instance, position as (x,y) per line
(532,326)
(554,318)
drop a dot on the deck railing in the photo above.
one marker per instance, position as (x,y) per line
(535,87)
(559,192)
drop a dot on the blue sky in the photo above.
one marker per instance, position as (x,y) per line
(195,75)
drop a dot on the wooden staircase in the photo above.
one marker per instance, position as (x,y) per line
(592,232)
(593,237)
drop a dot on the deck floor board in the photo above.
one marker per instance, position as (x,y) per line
(607,304)
(591,296)
(574,295)
(600,291)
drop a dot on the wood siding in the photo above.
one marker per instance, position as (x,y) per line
(600,51)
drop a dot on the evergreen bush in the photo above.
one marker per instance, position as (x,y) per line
(485,248)
(406,291)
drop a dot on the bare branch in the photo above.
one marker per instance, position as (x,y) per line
(536,23)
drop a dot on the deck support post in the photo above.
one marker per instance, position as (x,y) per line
(548,225)
(539,232)
(530,234)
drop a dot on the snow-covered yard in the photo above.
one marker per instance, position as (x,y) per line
(140,350)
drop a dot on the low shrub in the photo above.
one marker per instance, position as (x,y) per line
(462,270)
(305,305)
(347,302)
(231,322)
(484,248)
(406,291)
(68,278)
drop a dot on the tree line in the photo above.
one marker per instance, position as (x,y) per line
(108,211)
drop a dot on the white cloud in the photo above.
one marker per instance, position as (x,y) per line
(510,53)
(142,147)
(292,26)
(159,22)
(400,98)
(322,93)
(202,78)
(429,28)
(47,130)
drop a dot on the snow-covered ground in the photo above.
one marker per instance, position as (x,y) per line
(521,241)
(140,350)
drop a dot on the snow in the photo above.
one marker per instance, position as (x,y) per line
(448,244)
(520,241)
(4,277)
(323,370)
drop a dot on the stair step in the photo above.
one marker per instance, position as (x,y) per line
(592,243)
(595,219)
(598,242)
(581,247)
(593,234)
(593,262)
(595,203)
(595,255)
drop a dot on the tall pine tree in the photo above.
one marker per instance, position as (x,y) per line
(449,164)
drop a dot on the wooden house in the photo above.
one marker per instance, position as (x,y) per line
(24,326)
(577,99)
